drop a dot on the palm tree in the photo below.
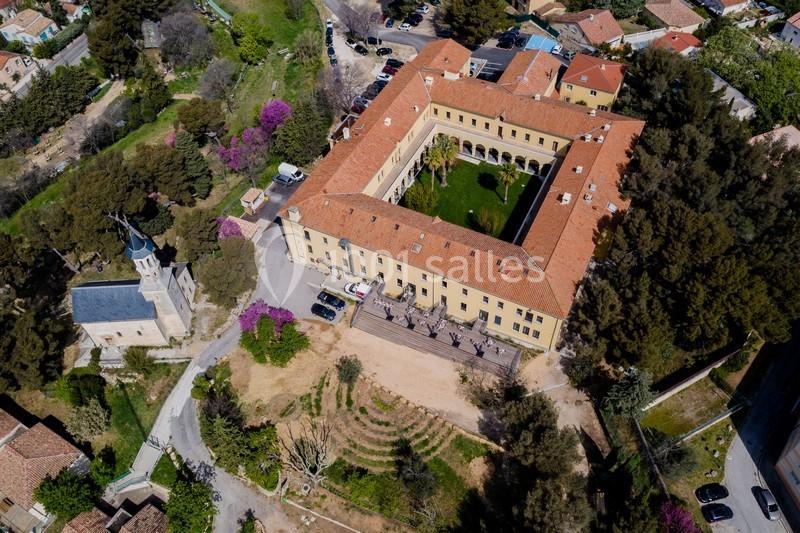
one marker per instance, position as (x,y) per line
(434,161)
(508,175)
(449,150)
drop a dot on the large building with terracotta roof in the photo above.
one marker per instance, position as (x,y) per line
(531,72)
(590,28)
(27,457)
(593,81)
(344,219)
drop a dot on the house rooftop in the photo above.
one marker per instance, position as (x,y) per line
(149,519)
(677,41)
(110,301)
(599,25)
(93,521)
(594,73)
(794,20)
(24,18)
(674,13)
(789,134)
(530,72)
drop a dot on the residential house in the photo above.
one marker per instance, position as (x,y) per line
(144,312)
(531,73)
(791,30)
(550,9)
(528,6)
(151,34)
(592,81)
(8,9)
(344,219)
(30,27)
(724,8)
(252,200)
(74,11)
(684,44)
(675,15)
(788,134)
(148,519)
(741,106)
(27,456)
(13,67)
(788,465)
(590,27)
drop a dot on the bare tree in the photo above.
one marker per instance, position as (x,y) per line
(294,8)
(307,453)
(360,20)
(186,41)
(217,81)
(307,46)
(340,87)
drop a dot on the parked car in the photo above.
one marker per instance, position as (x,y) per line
(324,312)
(331,51)
(329,23)
(380,84)
(383,51)
(291,172)
(520,42)
(329,40)
(768,504)
(331,300)
(423,8)
(286,181)
(360,50)
(389,22)
(374,41)
(444,33)
(352,43)
(334,61)
(360,101)
(389,70)
(436,2)
(395,63)
(405,26)
(568,54)
(505,44)
(416,17)
(384,77)
(410,22)
(359,290)
(716,512)
(711,493)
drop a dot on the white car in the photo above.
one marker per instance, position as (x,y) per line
(405,27)
(423,9)
(329,23)
(384,77)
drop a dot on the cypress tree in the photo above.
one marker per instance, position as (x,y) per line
(195,164)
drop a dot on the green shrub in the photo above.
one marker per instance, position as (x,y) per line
(79,386)
(266,343)
(469,448)
(348,368)
(137,361)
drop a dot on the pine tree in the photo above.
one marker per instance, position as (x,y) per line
(153,93)
(195,164)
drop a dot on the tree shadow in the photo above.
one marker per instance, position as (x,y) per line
(489,181)
(516,219)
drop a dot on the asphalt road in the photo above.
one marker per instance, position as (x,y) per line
(71,55)
(758,441)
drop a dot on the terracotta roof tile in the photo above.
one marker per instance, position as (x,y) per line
(598,25)
(7,424)
(674,13)
(24,19)
(148,520)
(794,20)
(93,521)
(551,8)
(30,457)
(594,73)
(444,54)
(530,72)
(677,41)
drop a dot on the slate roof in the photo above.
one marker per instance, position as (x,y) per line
(110,301)
(138,248)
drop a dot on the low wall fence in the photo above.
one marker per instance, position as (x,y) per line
(751,23)
(713,421)
(643,38)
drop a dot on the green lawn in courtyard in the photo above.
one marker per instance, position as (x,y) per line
(471,187)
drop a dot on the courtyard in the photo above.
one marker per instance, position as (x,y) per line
(472,187)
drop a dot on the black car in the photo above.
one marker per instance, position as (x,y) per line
(331,51)
(716,512)
(360,50)
(324,312)
(416,16)
(394,63)
(380,84)
(331,300)
(328,40)
(520,42)
(383,51)
(505,44)
(711,493)
(334,61)
(412,22)
(374,41)
(444,33)
(370,93)
(357,109)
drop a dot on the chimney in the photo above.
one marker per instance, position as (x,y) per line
(587,137)
(294,214)
(593,113)
(537,97)
(416,108)
(600,139)
(579,170)
(346,134)
(591,17)
(606,127)
(428,81)
(387,121)
(566,198)
(602,66)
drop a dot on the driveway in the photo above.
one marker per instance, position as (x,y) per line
(759,440)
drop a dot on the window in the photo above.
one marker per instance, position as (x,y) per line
(519,311)
(310,249)
(361,253)
(569,86)
(483,315)
(541,141)
(307,235)
(363,269)
(593,92)
(443,299)
(119,334)
(444,283)
(464,292)
(424,291)
(324,240)
(527,137)
(447,115)
(525,330)
(555,146)
(436,111)
(535,334)
(474,122)
(486,299)
(399,282)
(380,275)
(463,307)
(513,133)
(539,319)
(515,327)
(380,260)
(499,131)
(399,268)
(461,119)
(328,256)
(528,317)
(486,126)
(500,305)
(498,320)
(602,107)
(424,277)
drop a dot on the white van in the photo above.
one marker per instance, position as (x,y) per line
(291,172)
(359,290)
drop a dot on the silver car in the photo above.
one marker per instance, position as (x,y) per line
(768,504)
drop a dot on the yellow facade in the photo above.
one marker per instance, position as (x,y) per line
(569,92)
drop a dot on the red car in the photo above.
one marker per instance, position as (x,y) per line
(389,70)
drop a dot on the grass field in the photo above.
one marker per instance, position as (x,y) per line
(687,409)
(471,187)
(50,194)
(148,133)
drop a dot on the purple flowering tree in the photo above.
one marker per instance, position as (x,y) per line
(228,228)
(676,519)
(246,154)
(250,316)
(273,114)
